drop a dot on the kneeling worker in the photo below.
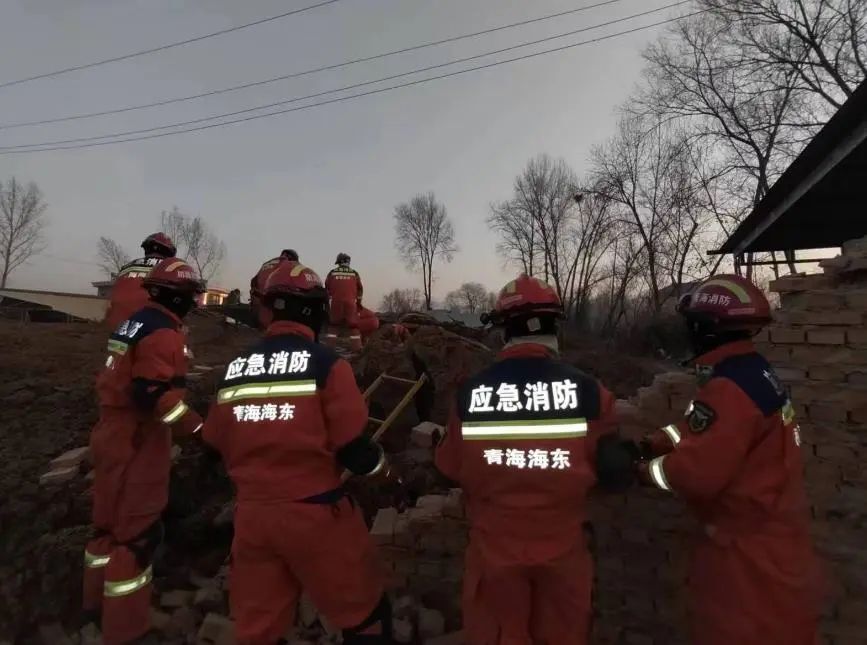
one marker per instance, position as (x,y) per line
(288,415)
(141,402)
(530,436)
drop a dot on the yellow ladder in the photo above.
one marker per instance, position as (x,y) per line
(384,424)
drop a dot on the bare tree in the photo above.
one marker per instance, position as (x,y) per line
(195,241)
(401,301)
(112,257)
(424,233)
(647,174)
(21,224)
(821,42)
(517,232)
(470,297)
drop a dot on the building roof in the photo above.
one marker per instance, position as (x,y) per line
(79,305)
(819,201)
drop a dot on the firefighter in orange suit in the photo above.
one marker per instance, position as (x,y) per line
(257,285)
(368,323)
(288,417)
(141,398)
(528,438)
(736,460)
(127,294)
(345,291)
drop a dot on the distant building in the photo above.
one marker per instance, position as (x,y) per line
(103,288)
(51,306)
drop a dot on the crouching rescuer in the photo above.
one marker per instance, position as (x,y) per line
(735,459)
(528,438)
(287,419)
(141,398)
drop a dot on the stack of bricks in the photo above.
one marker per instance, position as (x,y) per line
(818,345)
(423,548)
(639,539)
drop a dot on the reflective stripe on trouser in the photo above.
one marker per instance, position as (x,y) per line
(657,473)
(673,433)
(97,555)
(175,413)
(126,598)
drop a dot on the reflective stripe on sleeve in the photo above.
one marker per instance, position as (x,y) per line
(117,346)
(198,427)
(175,413)
(673,433)
(544,429)
(265,390)
(93,561)
(126,587)
(657,473)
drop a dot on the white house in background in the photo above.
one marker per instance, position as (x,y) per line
(54,306)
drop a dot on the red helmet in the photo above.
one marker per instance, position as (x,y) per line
(174,273)
(525,296)
(728,302)
(294,279)
(159,243)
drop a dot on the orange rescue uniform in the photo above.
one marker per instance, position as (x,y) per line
(141,398)
(736,460)
(367,322)
(127,293)
(283,410)
(522,442)
(345,292)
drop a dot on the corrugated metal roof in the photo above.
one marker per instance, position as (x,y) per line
(80,305)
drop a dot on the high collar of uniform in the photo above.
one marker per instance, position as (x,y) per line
(723,352)
(282,327)
(530,346)
(168,312)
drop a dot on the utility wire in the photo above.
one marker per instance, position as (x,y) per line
(307,72)
(153,50)
(344,88)
(363,94)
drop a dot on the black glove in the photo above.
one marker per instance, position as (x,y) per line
(616,462)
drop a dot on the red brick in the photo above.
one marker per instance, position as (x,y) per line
(801,283)
(858,378)
(857,299)
(790,374)
(785,335)
(840,318)
(826,373)
(826,412)
(835,453)
(828,355)
(777,353)
(826,337)
(857,337)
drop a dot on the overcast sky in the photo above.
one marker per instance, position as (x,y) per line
(321,181)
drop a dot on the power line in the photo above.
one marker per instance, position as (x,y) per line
(363,94)
(160,48)
(354,86)
(308,72)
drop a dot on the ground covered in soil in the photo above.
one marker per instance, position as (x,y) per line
(46,393)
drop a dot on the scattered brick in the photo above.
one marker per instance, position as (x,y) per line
(382,530)
(71,458)
(177,598)
(424,434)
(431,623)
(217,630)
(59,476)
